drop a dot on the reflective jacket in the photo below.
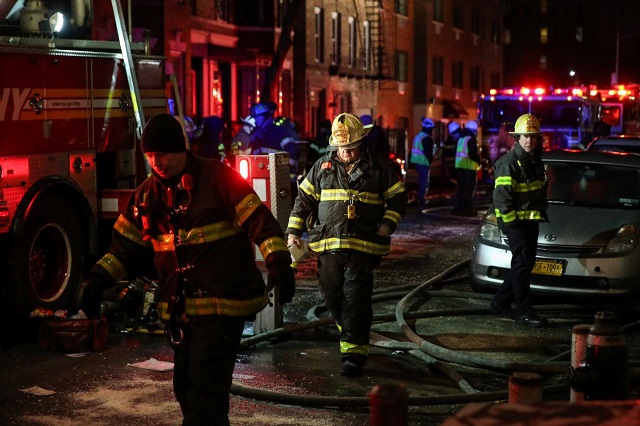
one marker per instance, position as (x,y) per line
(377,195)
(467,151)
(420,150)
(200,243)
(520,187)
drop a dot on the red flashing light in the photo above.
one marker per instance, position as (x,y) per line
(493,92)
(539,91)
(525,91)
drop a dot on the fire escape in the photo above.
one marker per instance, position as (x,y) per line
(378,47)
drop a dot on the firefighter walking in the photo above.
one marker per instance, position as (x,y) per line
(192,224)
(350,203)
(520,204)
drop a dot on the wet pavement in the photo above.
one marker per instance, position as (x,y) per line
(291,377)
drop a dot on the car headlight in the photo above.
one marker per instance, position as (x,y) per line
(489,229)
(625,240)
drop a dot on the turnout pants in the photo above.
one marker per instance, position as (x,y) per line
(346,280)
(466,188)
(203,369)
(523,242)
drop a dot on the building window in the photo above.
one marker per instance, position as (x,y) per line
(319,34)
(353,40)
(456,74)
(579,34)
(495,32)
(543,62)
(507,37)
(367,45)
(335,38)
(544,35)
(438,10)
(475,78)
(543,7)
(458,15)
(402,66)
(401,7)
(475,21)
(438,70)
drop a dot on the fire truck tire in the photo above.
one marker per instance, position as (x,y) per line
(48,258)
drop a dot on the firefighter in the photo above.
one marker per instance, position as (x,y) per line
(350,203)
(376,140)
(192,224)
(267,136)
(467,165)
(449,150)
(520,204)
(421,158)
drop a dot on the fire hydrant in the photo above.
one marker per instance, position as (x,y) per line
(603,374)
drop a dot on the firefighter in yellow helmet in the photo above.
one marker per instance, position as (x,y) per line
(349,203)
(520,204)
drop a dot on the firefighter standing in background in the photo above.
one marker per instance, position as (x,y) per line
(192,224)
(376,141)
(421,158)
(520,204)
(467,165)
(449,149)
(350,202)
(267,137)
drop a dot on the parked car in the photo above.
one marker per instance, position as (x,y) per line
(620,143)
(589,246)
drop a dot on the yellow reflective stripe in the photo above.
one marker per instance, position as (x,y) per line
(504,180)
(396,189)
(113,266)
(507,217)
(217,306)
(349,244)
(296,223)
(271,245)
(129,231)
(247,206)
(527,187)
(308,189)
(350,348)
(339,327)
(392,216)
(348,194)
(198,235)
(529,215)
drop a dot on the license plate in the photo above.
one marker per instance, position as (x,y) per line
(548,267)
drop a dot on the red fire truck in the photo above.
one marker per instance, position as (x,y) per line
(621,108)
(567,115)
(71,112)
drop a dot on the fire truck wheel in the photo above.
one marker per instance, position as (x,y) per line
(47,262)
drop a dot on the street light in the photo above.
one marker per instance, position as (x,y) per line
(618,38)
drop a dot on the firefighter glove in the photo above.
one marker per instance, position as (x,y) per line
(281,275)
(91,296)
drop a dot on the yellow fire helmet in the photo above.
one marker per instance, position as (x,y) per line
(527,124)
(347,131)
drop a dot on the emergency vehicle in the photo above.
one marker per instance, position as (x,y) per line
(71,113)
(621,108)
(567,115)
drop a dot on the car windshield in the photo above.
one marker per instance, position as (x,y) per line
(594,185)
(613,147)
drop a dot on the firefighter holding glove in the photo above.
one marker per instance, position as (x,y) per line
(192,225)
(350,202)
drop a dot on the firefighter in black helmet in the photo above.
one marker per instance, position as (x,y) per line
(193,224)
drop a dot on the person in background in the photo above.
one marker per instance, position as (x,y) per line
(500,144)
(467,165)
(350,203)
(421,158)
(376,140)
(318,146)
(193,224)
(520,204)
(449,150)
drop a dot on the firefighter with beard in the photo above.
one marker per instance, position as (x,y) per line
(350,203)
(193,224)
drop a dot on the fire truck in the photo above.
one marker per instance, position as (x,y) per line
(567,115)
(621,108)
(71,113)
